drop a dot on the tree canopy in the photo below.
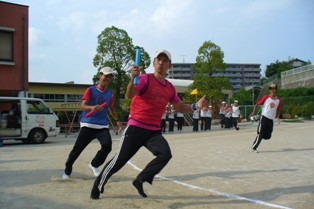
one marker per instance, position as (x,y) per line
(279,67)
(116,50)
(210,60)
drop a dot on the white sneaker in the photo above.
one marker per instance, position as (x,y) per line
(254,150)
(65,176)
(95,170)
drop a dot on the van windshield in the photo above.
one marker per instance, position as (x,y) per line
(36,107)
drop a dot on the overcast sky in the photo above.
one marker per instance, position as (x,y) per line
(63,33)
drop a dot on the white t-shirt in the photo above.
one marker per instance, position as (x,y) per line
(164,115)
(179,115)
(228,112)
(222,110)
(235,111)
(171,114)
(207,113)
(270,106)
(195,114)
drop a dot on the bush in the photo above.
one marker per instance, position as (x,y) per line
(305,110)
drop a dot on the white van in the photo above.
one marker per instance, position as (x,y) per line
(27,119)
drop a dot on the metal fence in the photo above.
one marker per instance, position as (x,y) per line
(297,70)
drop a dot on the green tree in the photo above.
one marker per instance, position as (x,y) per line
(244,96)
(279,67)
(115,49)
(210,60)
(211,86)
(263,79)
(247,97)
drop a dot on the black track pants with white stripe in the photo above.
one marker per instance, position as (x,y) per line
(264,131)
(132,140)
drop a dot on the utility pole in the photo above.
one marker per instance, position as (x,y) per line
(183,56)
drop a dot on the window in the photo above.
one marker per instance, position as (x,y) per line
(37,107)
(74,98)
(6,44)
(49,97)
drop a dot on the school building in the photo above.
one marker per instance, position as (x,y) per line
(13,49)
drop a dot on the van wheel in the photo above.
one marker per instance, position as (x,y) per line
(37,136)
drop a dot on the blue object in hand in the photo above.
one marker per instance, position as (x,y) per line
(137,63)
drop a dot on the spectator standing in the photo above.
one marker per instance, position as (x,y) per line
(163,121)
(171,118)
(235,114)
(228,116)
(180,120)
(222,112)
(204,118)
(196,117)
(210,113)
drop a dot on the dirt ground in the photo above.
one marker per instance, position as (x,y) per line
(213,169)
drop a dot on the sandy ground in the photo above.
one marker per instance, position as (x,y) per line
(212,169)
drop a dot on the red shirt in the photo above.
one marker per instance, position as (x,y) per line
(148,105)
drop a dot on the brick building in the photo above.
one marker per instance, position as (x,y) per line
(13,49)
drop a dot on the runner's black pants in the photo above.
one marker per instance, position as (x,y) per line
(264,131)
(132,140)
(85,136)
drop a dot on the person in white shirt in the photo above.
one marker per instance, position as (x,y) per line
(204,118)
(209,113)
(171,113)
(195,120)
(163,121)
(228,117)
(180,120)
(271,106)
(222,112)
(235,114)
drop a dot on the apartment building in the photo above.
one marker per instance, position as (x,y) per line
(239,75)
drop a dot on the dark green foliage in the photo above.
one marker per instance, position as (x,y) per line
(209,60)
(116,50)
(278,67)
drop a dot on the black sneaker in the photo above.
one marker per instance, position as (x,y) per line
(139,186)
(95,193)
(68,169)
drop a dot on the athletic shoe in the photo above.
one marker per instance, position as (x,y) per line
(68,169)
(94,169)
(65,176)
(254,150)
(139,186)
(237,128)
(95,193)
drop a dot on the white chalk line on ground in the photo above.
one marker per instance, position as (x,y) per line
(230,196)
